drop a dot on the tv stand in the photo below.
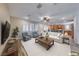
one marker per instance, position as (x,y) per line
(14,47)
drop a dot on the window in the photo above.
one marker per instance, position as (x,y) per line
(25,27)
(31,27)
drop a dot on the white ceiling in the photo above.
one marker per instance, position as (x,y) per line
(48,9)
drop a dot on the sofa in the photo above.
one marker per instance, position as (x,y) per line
(35,34)
(26,36)
(57,36)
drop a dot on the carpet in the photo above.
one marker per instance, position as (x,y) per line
(34,49)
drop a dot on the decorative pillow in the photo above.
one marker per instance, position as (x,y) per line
(61,35)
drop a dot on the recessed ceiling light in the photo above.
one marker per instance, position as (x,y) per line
(41,18)
(54,3)
(26,17)
(63,18)
(68,17)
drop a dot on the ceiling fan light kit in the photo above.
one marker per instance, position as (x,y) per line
(46,18)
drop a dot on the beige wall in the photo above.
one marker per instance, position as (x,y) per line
(4,15)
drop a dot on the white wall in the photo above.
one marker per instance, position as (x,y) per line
(18,22)
(4,14)
(76,26)
(76,29)
(68,27)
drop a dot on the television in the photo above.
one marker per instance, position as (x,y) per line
(5,30)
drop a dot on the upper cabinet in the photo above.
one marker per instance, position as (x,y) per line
(56,27)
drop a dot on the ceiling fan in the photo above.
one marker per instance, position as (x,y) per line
(45,19)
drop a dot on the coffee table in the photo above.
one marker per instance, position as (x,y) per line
(46,43)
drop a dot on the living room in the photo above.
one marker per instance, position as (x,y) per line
(34,21)
(29,31)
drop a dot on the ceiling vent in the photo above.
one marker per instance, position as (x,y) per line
(39,5)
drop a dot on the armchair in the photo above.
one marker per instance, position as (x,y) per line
(25,36)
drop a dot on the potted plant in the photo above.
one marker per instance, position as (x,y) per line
(47,36)
(15,32)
